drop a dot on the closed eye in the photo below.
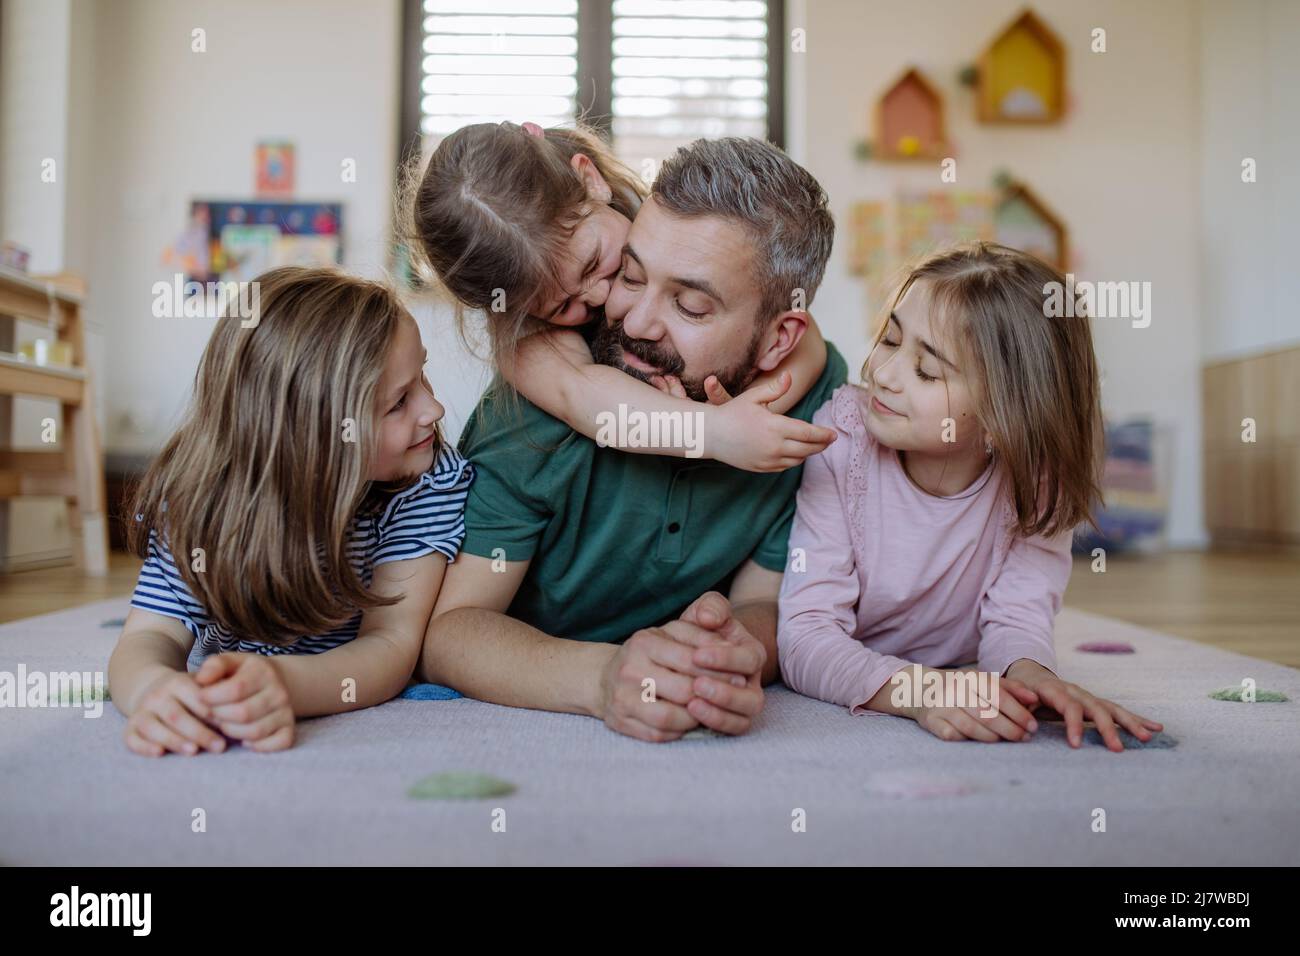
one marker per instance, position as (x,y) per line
(687,312)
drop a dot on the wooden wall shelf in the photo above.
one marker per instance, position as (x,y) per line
(77,471)
(1021,75)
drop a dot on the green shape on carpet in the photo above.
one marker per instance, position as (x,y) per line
(113,622)
(1261,696)
(87,695)
(701,732)
(459,785)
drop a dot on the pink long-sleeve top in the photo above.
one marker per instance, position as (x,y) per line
(894,576)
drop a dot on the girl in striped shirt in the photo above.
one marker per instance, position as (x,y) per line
(295,529)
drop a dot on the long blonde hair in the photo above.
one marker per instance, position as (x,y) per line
(261,475)
(1033,378)
(493,210)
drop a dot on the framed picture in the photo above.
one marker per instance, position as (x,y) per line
(235,241)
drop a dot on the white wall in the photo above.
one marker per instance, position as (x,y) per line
(33,126)
(1155,135)
(1250,279)
(35,74)
(168,125)
(1122,170)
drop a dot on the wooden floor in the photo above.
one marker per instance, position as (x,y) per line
(1245,602)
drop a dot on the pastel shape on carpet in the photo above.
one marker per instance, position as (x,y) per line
(460,785)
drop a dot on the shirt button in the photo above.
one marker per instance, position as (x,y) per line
(674,528)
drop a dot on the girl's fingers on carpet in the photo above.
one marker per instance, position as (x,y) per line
(1014,711)
(191,695)
(715,718)
(1096,709)
(228,690)
(1151,726)
(191,728)
(250,708)
(1002,727)
(1073,714)
(970,727)
(1131,722)
(282,739)
(145,748)
(943,730)
(152,728)
(631,727)
(1057,696)
(216,667)
(1019,691)
(258,729)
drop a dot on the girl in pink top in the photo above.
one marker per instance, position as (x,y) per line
(935,530)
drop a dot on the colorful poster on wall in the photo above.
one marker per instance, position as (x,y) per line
(274,163)
(867,257)
(235,241)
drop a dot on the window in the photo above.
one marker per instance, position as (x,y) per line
(484,62)
(684,69)
(651,74)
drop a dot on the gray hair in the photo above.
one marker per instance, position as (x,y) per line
(776,200)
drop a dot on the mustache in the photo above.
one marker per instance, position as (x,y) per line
(661,356)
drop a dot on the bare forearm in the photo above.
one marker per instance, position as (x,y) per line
(759,618)
(883,702)
(493,657)
(364,672)
(138,661)
(597,392)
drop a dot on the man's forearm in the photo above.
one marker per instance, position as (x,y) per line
(759,618)
(493,657)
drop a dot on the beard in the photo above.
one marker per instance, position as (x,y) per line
(610,340)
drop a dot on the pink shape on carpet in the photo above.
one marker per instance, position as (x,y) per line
(1107,647)
(916,785)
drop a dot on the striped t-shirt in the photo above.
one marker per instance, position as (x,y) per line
(429,516)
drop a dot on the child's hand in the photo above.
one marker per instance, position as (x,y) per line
(744,433)
(248,700)
(1011,721)
(1075,704)
(171,716)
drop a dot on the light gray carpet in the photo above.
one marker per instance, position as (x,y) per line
(70,792)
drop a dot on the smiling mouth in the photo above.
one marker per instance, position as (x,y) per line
(422,444)
(636,363)
(881,408)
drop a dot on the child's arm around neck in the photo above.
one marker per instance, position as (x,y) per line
(555,371)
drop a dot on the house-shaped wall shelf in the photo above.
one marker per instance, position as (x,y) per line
(1022,221)
(909,120)
(1021,76)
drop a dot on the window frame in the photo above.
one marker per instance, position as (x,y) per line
(595,71)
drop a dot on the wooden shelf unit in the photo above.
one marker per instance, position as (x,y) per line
(76,471)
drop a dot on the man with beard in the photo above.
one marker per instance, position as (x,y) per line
(591,580)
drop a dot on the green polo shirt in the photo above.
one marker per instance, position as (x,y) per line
(618,540)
